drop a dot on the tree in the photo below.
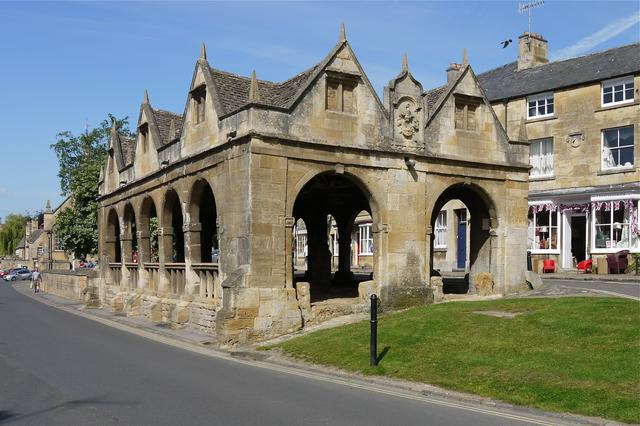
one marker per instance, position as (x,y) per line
(81,158)
(12,231)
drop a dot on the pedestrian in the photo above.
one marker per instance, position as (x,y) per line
(35,277)
(306,256)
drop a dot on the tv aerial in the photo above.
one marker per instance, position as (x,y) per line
(526,7)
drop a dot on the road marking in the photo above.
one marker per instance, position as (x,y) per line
(209,352)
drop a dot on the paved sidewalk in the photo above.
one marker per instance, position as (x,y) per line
(592,277)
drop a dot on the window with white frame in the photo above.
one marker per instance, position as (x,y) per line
(366,239)
(57,243)
(39,251)
(617,147)
(543,231)
(440,230)
(540,105)
(617,91)
(615,225)
(541,158)
(301,243)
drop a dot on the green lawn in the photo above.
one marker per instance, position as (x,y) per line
(579,355)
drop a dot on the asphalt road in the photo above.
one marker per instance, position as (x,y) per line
(60,369)
(626,288)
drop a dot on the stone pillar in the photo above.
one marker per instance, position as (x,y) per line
(319,265)
(165,253)
(127,247)
(289,223)
(192,255)
(144,247)
(344,276)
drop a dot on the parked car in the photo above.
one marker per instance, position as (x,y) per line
(3,273)
(18,274)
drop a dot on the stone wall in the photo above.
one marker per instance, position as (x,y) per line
(75,285)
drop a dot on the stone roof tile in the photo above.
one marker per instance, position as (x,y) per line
(163,120)
(233,89)
(507,82)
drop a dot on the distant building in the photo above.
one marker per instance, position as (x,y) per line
(582,118)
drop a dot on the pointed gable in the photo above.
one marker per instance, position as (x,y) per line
(462,124)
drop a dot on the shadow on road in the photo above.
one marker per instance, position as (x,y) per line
(7,416)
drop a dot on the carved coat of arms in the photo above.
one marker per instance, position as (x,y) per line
(407,121)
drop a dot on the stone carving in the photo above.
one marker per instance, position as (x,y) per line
(407,119)
(575,139)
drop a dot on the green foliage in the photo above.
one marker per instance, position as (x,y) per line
(11,233)
(565,354)
(81,158)
(153,238)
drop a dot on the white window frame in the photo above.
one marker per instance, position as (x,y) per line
(364,237)
(440,231)
(540,142)
(611,200)
(625,81)
(301,242)
(556,250)
(537,99)
(618,167)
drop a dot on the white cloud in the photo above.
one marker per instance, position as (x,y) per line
(4,192)
(589,42)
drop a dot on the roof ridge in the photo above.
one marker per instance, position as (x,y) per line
(561,60)
(168,112)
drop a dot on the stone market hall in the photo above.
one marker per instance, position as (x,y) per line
(197,212)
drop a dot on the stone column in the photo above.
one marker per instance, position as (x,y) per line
(319,265)
(144,256)
(192,255)
(126,254)
(289,223)
(344,276)
(165,253)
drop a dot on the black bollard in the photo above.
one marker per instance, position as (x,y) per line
(374,330)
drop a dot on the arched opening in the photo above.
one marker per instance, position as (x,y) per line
(129,240)
(203,216)
(172,233)
(112,242)
(461,220)
(148,231)
(328,206)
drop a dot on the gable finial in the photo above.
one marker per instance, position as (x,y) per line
(203,52)
(145,100)
(47,208)
(172,129)
(405,63)
(522,134)
(254,92)
(465,58)
(343,33)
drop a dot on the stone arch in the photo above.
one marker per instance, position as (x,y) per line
(339,196)
(481,222)
(203,223)
(112,241)
(128,234)
(171,228)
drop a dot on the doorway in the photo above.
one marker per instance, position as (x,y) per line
(578,226)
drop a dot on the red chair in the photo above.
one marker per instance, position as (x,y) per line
(548,266)
(585,266)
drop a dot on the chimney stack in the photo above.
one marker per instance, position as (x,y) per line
(453,72)
(533,51)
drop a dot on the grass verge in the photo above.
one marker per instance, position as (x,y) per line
(579,355)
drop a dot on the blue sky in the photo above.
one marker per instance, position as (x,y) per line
(65,65)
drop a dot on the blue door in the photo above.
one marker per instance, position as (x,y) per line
(462,238)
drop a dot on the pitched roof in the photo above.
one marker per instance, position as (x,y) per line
(163,120)
(33,237)
(233,89)
(20,244)
(507,82)
(128,147)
